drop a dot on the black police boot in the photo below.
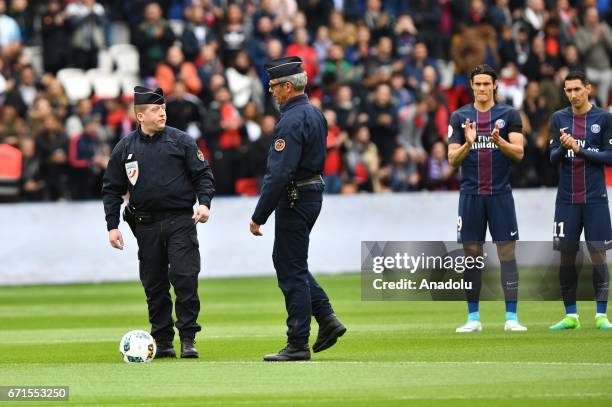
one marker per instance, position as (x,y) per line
(188,350)
(165,349)
(290,353)
(330,329)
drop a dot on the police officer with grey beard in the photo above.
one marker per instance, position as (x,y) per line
(293,188)
(164,172)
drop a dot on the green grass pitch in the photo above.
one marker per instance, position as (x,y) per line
(395,353)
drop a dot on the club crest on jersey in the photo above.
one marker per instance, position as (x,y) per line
(595,128)
(279,145)
(450,131)
(131,170)
(500,123)
(200,155)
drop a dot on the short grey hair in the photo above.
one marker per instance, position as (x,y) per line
(298,80)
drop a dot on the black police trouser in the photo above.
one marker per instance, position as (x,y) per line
(304,297)
(168,251)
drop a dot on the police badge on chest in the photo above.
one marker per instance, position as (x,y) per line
(131,169)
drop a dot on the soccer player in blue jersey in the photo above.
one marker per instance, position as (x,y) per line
(581,140)
(484,139)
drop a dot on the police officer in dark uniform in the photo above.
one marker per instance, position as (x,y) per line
(164,172)
(293,188)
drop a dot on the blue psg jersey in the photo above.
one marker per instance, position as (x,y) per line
(485,170)
(582,178)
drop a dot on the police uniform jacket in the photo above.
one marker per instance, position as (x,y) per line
(297,153)
(162,173)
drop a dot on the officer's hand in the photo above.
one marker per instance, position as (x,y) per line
(115,238)
(201,214)
(255,229)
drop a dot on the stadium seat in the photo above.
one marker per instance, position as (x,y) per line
(247,186)
(105,85)
(65,74)
(126,58)
(105,61)
(10,172)
(75,82)
(127,84)
(120,33)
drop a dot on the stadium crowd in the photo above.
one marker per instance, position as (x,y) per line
(386,73)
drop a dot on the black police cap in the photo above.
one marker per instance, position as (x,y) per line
(282,67)
(145,96)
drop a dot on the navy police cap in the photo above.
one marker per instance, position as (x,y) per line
(145,96)
(282,67)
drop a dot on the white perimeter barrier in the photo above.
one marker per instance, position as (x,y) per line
(67,242)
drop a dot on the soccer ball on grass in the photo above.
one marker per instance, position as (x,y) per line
(137,347)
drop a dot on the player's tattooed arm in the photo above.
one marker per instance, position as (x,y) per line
(458,152)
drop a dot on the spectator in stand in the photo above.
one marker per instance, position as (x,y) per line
(402,174)
(12,127)
(174,68)
(362,163)
(74,124)
(87,157)
(301,48)
(345,108)
(417,63)
(594,41)
(153,37)
(316,12)
(24,92)
(340,31)
(359,53)
(185,111)
(55,36)
(24,18)
(243,82)
(379,22)
(535,16)
(439,171)
(31,182)
(535,169)
(401,94)
(321,45)
(332,171)
(10,34)
(413,120)
(52,148)
(499,15)
(382,122)
(86,19)
(381,64)
(506,46)
(571,59)
(224,132)
(511,86)
(251,121)
(404,36)
(196,33)
(209,65)
(426,16)
(233,34)
(338,70)
(59,101)
(258,149)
